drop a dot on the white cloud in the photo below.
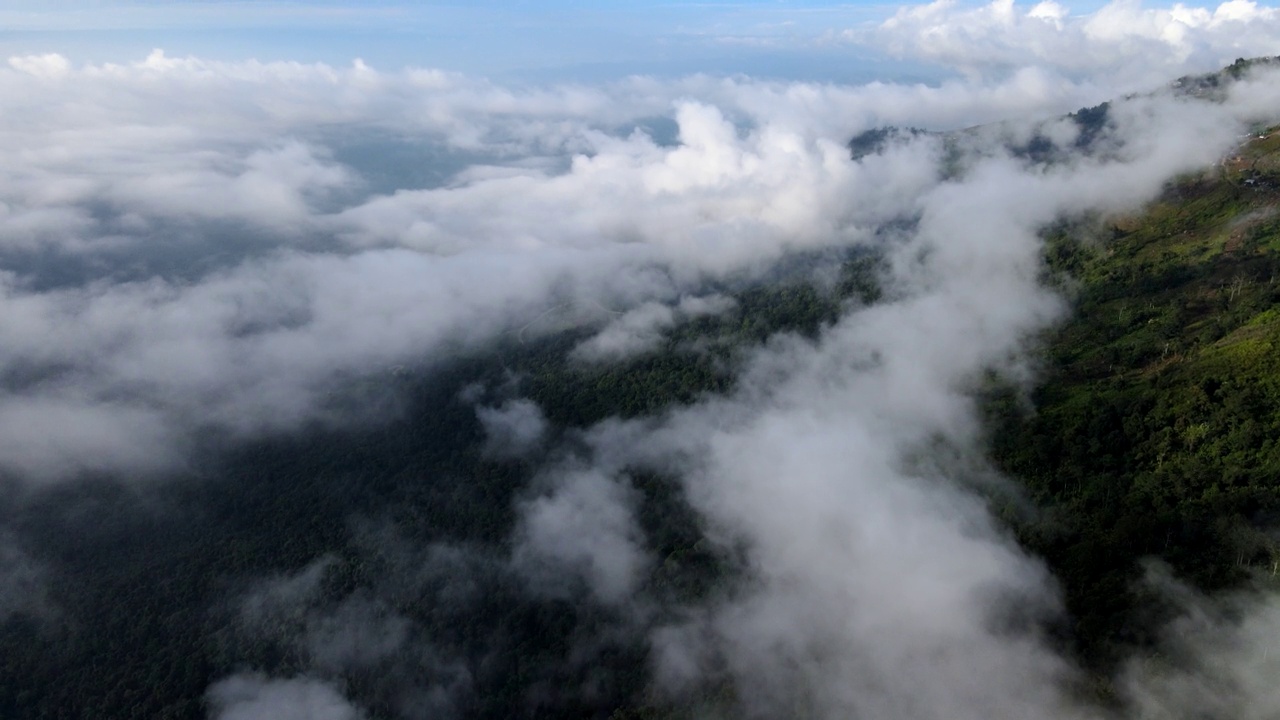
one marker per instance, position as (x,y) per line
(512,429)
(877,587)
(1216,660)
(50,66)
(583,529)
(635,331)
(1137,45)
(256,697)
(185,252)
(641,329)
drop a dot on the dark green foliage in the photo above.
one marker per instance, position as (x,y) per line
(1091,121)
(1213,85)
(1155,431)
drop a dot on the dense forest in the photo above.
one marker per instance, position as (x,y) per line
(1153,433)
(1150,434)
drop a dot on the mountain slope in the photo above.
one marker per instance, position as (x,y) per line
(1155,431)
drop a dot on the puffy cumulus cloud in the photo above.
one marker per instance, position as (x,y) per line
(1138,45)
(272,187)
(178,258)
(47,66)
(256,697)
(719,201)
(196,249)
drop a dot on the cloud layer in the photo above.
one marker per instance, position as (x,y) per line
(197,252)
(196,248)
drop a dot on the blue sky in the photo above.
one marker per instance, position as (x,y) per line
(551,40)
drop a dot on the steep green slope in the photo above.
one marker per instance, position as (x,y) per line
(1155,432)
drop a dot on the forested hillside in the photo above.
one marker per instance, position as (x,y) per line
(1154,431)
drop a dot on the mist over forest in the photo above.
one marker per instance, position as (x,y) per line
(342,392)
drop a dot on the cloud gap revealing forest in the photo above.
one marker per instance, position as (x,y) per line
(651,407)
